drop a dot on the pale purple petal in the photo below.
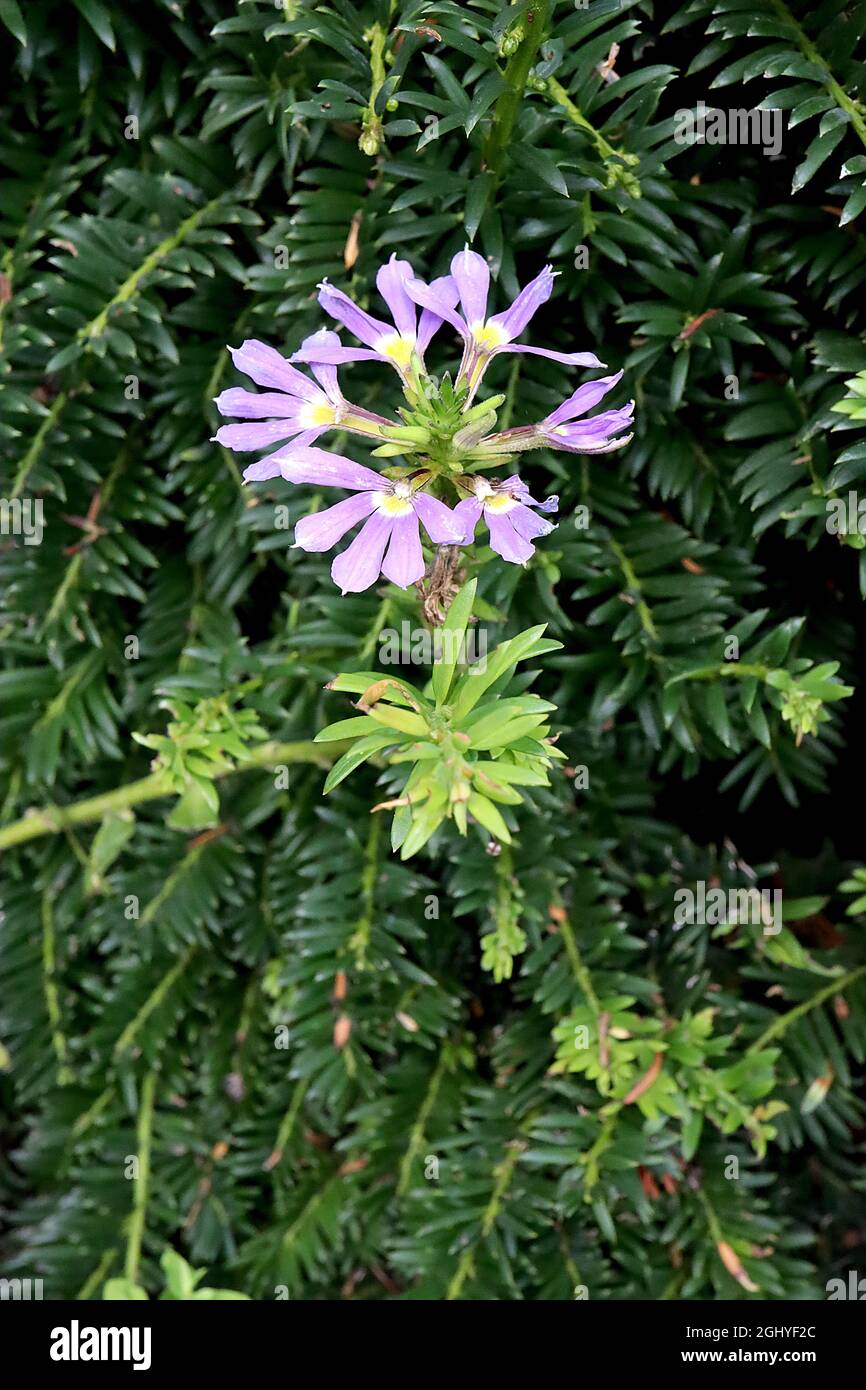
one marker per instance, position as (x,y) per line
(273,463)
(404,563)
(302,441)
(356,319)
(569,359)
(446,292)
(257,405)
(324,372)
(472,276)
(439,297)
(267,367)
(609,446)
(306,465)
(514,319)
(262,469)
(468,513)
(360,565)
(322,530)
(517,487)
(334,356)
(391,284)
(591,435)
(529,524)
(583,399)
(505,540)
(271,466)
(255,436)
(442,524)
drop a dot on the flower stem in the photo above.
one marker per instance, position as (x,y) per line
(516,75)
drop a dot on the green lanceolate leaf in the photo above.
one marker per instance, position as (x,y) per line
(452,635)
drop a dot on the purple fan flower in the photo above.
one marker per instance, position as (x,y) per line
(385,342)
(389,541)
(297,411)
(506,507)
(563,429)
(483,337)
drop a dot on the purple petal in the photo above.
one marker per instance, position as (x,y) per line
(272,465)
(569,359)
(306,465)
(322,530)
(263,469)
(335,356)
(515,318)
(468,513)
(267,367)
(324,372)
(472,275)
(609,446)
(591,435)
(256,436)
(583,399)
(505,540)
(517,487)
(357,320)
(528,524)
(391,284)
(359,566)
(301,441)
(446,292)
(440,522)
(257,405)
(439,297)
(404,563)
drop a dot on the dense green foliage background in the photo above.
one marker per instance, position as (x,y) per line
(149,977)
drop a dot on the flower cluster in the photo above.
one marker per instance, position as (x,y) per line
(445,439)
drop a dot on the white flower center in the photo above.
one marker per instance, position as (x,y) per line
(500,502)
(395,503)
(315,413)
(397,348)
(488,335)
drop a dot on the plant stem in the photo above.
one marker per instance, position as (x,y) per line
(853,108)
(560,96)
(516,75)
(416,1136)
(372,133)
(504,1172)
(52,1000)
(633,584)
(784,1021)
(144,1135)
(36,444)
(97,326)
(124,1042)
(93,1281)
(49,820)
(578,966)
(360,938)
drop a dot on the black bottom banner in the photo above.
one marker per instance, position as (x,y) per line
(225,1339)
